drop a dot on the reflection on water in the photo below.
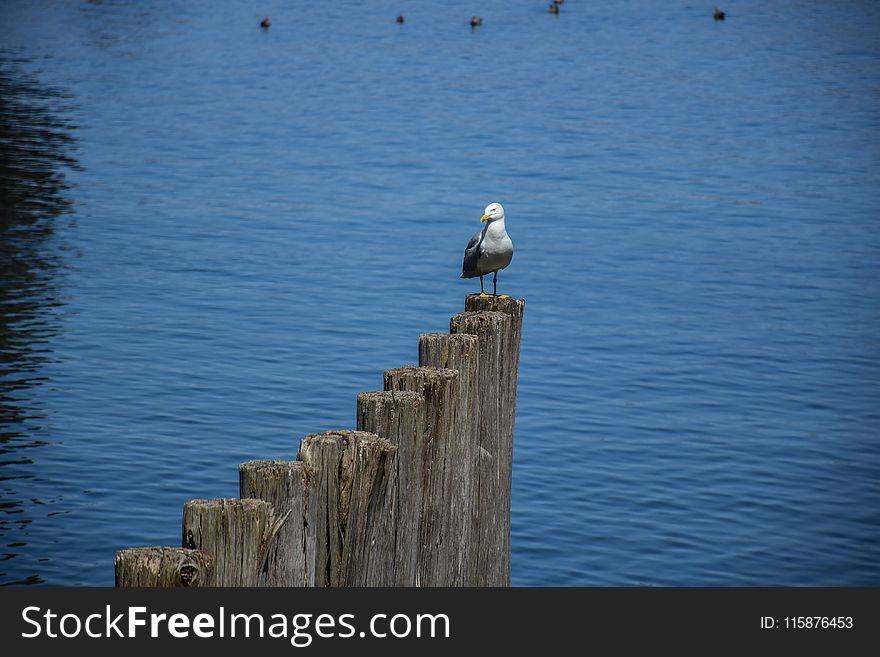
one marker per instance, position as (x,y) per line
(36,146)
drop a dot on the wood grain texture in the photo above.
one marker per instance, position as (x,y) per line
(353,475)
(399,417)
(288,486)
(498,358)
(441,390)
(509,379)
(163,567)
(234,533)
(514,309)
(459,353)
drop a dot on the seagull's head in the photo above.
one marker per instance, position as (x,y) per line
(493,212)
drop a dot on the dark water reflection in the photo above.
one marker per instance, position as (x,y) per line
(37,145)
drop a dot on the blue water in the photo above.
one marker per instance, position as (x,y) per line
(215,236)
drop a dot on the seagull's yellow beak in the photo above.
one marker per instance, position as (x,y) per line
(483,218)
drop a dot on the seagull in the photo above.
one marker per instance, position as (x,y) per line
(489,250)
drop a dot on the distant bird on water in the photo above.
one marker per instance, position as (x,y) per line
(718,15)
(265,23)
(400,18)
(489,250)
(476,20)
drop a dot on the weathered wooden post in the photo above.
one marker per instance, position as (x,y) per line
(164,567)
(514,309)
(441,390)
(418,496)
(288,486)
(459,353)
(352,472)
(497,323)
(399,417)
(509,373)
(234,533)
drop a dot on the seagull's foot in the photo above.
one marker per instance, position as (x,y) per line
(503,296)
(483,294)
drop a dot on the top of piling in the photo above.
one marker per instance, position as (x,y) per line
(506,305)
(390,396)
(271,465)
(348,437)
(227,503)
(438,373)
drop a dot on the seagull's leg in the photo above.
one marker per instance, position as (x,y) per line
(482,294)
(494,290)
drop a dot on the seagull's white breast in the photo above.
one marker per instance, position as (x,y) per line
(497,249)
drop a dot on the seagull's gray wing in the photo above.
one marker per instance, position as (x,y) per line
(472,255)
